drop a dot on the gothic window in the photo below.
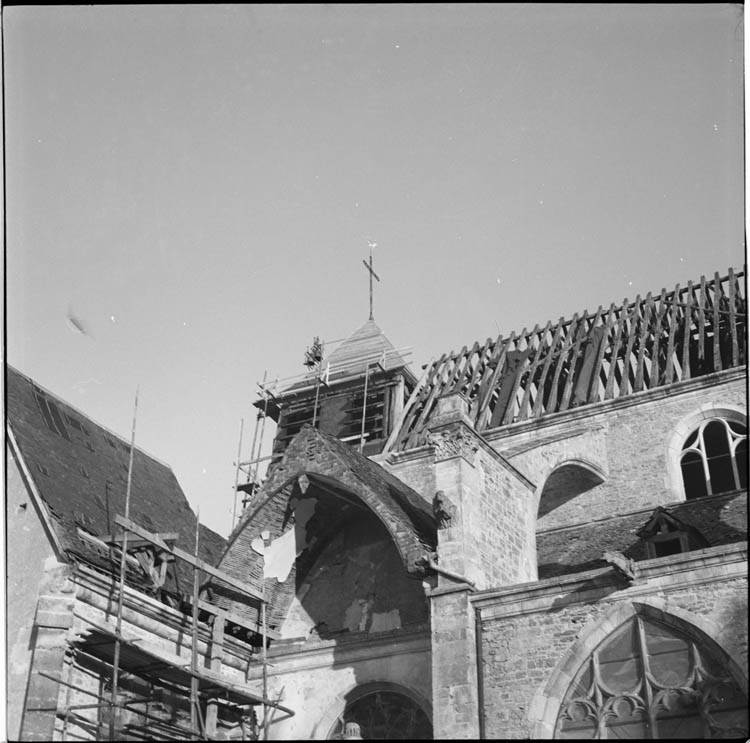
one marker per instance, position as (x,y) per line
(649,681)
(387,715)
(714,458)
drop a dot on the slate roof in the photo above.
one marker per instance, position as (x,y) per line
(720,519)
(80,470)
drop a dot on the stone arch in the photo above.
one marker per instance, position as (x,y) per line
(547,701)
(681,431)
(327,726)
(565,480)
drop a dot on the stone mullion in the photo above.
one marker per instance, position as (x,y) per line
(696,677)
(648,696)
(601,717)
(734,442)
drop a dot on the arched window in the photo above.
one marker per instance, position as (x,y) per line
(714,458)
(647,680)
(384,715)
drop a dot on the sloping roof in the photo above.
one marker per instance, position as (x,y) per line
(80,471)
(720,519)
(633,346)
(366,345)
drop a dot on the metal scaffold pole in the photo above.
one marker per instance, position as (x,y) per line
(196,717)
(121,592)
(237,473)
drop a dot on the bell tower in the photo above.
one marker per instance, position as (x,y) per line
(355,393)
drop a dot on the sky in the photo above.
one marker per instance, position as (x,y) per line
(196,187)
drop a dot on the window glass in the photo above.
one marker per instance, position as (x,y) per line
(714,459)
(619,662)
(693,475)
(668,686)
(740,456)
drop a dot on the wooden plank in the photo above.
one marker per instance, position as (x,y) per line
(433,392)
(485,384)
(647,315)
(594,388)
(508,414)
(609,388)
(398,424)
(477,370)
(575,353)
(246,588)
(653,376)
(552,404)
(417,410)
(716,323)
(674,314)
(548,358)
(702,321)
(687,323)
(235,618)
(523,413)
(733,319)
(484,409)
(632,332)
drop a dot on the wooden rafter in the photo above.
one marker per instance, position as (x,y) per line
(678,335)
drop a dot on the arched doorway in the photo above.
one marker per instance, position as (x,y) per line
(384,711)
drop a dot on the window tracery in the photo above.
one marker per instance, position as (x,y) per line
(714,458)
(648,681)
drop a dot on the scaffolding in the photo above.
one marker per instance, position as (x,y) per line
(107,643)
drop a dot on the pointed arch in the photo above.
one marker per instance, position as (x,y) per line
(547,702)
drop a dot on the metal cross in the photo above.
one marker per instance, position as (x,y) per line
(372,273)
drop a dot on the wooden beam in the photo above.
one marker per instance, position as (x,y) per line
(610,387)
(673,314)
(688,321)
(632,331)
(235,618)
(594,384)
(717,301)
(241,586)
(732,318)
(648,313)
(653,376)
(547,363)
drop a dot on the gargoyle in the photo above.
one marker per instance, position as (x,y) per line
(623,565)
(443,510)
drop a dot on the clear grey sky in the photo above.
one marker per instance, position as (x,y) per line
(197,185)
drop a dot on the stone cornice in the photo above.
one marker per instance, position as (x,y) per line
(725,562)
(293,656)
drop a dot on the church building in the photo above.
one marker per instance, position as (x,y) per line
(542,535)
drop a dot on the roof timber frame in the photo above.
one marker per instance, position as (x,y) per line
(650,342)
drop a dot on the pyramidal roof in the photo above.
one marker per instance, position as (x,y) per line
(367,345)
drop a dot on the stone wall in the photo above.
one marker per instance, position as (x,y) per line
(315,680)
(534,638)
(629,440)
(28,551)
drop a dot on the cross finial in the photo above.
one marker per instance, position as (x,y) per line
(372,273)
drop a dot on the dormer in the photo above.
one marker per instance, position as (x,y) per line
(356,393)
(665,534)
